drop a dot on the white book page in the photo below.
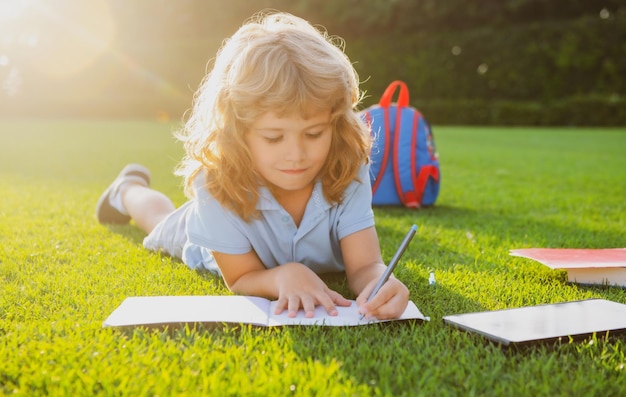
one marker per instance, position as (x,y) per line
(608,275)
(150,310)
(347,316)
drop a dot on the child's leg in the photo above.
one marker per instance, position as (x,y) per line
(147,207)
(129,197)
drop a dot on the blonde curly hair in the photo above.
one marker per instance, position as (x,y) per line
(274,63)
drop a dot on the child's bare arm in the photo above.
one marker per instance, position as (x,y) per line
(293,284)
(364,266)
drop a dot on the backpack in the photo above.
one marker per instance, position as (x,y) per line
(404,162)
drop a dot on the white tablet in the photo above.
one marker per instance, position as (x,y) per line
(549,322)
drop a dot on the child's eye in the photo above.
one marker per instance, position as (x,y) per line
(273,139)
(314,135)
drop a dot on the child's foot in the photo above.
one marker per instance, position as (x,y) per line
(110,208)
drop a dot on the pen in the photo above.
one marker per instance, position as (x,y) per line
(392,264)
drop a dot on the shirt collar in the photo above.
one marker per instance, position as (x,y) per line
(267,201)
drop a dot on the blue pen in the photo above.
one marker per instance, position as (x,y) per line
(394,261)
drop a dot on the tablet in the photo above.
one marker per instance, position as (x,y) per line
(544,323)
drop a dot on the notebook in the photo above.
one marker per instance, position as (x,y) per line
(603,266)
(179,310)
(544,323)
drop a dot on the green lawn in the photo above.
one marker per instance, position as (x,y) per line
(62,274)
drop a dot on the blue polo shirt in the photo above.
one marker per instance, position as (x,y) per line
(273,235)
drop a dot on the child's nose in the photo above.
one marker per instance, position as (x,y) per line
(295,150)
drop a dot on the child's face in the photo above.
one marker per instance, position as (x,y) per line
(288,152)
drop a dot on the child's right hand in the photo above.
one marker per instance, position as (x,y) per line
(299,287)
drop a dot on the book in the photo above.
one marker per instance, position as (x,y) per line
(544,323)
(173,310)
(606,266)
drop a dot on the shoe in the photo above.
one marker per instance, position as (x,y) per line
(105,212)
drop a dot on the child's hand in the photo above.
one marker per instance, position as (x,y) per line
(390,301)
(299,287)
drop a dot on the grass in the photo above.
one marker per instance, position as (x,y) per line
(62,273)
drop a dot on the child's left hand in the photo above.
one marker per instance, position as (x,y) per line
(389,303)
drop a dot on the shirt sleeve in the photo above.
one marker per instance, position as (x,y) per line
(355,212)
(214,227)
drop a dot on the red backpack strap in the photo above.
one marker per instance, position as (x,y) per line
(399,138)
(385,103)
(405,160)
(385,143)
(427,171)
(403,96)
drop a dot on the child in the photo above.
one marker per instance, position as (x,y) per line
(276,169)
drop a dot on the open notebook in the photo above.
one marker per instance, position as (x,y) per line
(544,322)
(173,310)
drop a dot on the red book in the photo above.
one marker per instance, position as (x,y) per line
(584,266)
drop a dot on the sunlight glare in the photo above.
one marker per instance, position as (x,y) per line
(12,9)
(72,37)
(13,82)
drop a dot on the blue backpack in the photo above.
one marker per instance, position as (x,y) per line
(404,163)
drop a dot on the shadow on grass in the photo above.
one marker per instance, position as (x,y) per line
(493,234)
(130,231)
(522,226)
(489,231)
(135,235)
